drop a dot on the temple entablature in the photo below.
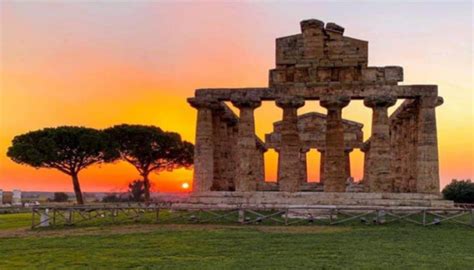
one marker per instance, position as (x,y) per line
(312,132)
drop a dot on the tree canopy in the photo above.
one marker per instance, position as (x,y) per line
(148,148)
(68,149)
(459,191)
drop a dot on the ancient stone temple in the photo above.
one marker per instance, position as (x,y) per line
(320,63)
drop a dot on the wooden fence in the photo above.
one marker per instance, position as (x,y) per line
(55,216)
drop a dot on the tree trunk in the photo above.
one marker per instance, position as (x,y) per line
(77,189)
(146,183)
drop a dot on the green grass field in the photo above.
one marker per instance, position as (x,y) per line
(217,246)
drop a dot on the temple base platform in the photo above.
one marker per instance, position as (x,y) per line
(277,199)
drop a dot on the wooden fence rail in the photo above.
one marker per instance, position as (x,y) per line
(54,216)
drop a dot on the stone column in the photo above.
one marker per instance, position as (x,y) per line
(233,138)
(412,152)
(427,171)
(303,164)
(228,151)
(366,150)
(220,138)
(379,162)
(405,147)
(204,145)
(347,158)
(334,165)
(321,165)
(246,175)
(260,162)
(289,165)
(277,150)
(396,160)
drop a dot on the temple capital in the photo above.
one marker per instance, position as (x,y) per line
(199,103)
(290,102)
(336,102)
(348,150)
(365,147)
(304,149)
(383,101)
(246,102)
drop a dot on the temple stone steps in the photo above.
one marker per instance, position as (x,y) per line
(285,199)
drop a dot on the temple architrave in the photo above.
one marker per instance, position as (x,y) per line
(320,63)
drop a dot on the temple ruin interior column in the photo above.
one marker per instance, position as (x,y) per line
(347,158)
(427,170)
(304,167)
(247,170)
(229,149)
(379,161)
(334,165)
(260,162)
(321,165)
(219,140)
(289,157)
(396,152)
(204,145)
(365,148)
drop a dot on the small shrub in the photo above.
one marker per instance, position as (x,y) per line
(60,197)
(136,189)
(113,198)
(459,191)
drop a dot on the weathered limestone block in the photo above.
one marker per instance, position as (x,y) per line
(334,165)
(427,173)
(379,161)
(335,28)
(289,156)
(393,74)
(204,145)
(247,171)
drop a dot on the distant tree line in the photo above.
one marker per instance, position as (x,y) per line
(70,149)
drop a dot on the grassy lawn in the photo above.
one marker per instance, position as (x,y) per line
(12,221)
(144,246)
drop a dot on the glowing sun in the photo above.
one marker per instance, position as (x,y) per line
(184,185)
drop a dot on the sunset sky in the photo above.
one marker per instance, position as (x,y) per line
(98,64)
